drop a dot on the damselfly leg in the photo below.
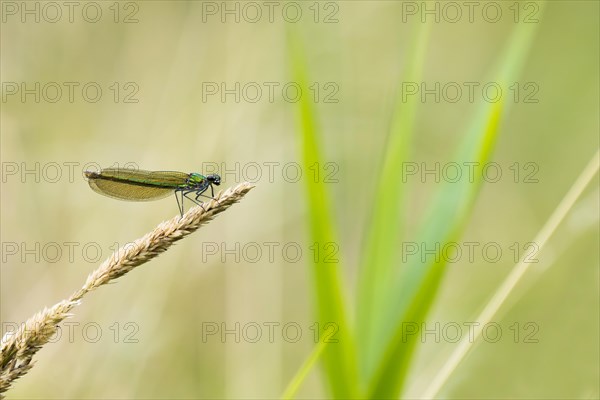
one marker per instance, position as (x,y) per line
(198,192)
(179,204)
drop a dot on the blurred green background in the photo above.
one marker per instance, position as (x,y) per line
(167,61)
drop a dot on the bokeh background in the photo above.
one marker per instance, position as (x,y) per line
(152,324)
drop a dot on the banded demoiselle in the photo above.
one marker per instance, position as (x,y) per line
(140,185)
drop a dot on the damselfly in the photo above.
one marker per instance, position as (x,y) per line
(140,185)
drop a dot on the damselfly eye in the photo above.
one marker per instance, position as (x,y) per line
(214,179)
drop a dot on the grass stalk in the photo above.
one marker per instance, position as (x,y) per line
(19,347)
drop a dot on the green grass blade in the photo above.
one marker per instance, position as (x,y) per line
(381,243)
(418,283)
(339,358)
(297,380)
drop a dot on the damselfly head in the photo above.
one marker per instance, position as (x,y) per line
(214,179)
